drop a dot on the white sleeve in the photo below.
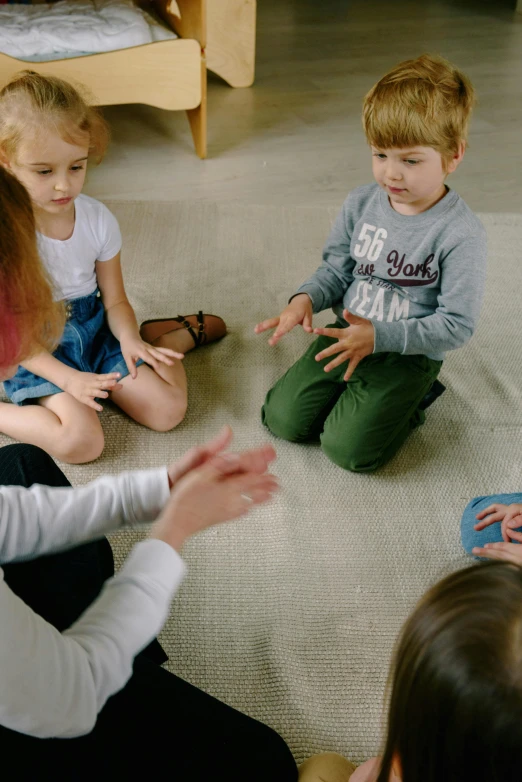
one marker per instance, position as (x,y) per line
(109,234)
(53,684)
(42,519)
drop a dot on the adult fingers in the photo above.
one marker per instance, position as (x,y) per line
(199,454)
(255,489)
(253,461)
(265,325)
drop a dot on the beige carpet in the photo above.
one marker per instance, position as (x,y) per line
(292,614)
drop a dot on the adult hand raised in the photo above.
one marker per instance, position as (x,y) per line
(223,488)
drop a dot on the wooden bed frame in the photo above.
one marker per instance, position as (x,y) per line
(167,74)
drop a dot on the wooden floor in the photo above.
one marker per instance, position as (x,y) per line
(295,136)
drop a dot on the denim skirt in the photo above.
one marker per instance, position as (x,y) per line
(87,344)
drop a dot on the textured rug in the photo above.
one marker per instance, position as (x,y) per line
(291,615)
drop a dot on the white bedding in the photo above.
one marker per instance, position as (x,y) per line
(69,28)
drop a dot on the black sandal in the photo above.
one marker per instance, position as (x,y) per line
(151,330)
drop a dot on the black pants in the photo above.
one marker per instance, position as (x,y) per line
(158,724)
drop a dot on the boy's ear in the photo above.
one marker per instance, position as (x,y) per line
(457,157)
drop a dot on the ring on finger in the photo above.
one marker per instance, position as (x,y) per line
(247,498)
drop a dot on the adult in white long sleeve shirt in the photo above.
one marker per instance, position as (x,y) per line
(81,696)
(86,681)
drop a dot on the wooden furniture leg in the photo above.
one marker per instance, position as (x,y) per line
(198,117)
(231,40)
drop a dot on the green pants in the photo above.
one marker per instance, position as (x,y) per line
(360,424)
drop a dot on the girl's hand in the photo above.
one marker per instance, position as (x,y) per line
(509,515)
(133,348)
(222,489)
(355,343)
(85,386)
(508,552)
(298,312)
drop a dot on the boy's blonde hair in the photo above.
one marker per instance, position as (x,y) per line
(31,103)
(423,102)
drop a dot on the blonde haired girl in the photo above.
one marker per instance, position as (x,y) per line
(48,132)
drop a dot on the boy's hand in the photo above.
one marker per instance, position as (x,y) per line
(133,348)
(509,515)
(508,552)
(355,343)
(86,386)
(298,312)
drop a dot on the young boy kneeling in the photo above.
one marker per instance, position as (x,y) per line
(403,270)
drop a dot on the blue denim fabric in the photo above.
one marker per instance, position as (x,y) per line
(491,534)
(87,345)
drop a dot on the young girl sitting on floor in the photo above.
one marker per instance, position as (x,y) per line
(47,134)
(455,711)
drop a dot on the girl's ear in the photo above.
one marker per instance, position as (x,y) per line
(4,161)
(396,769)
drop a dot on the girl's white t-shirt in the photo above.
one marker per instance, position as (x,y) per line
(71,262)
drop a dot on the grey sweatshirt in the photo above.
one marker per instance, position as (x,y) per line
(418,278)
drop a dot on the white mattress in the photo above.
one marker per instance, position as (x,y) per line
(69,29)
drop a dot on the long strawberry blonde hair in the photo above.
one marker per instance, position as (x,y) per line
(30,320)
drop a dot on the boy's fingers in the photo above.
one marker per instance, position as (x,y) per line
(352,366)
(271,323)
(333,333)
(331,351)
(341,359)
(307,322)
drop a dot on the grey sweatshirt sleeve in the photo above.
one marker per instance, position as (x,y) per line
(328,284)
(463,274)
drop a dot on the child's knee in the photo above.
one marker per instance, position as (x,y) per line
(282,421)
(350,454)
(169,414)
(78,447)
